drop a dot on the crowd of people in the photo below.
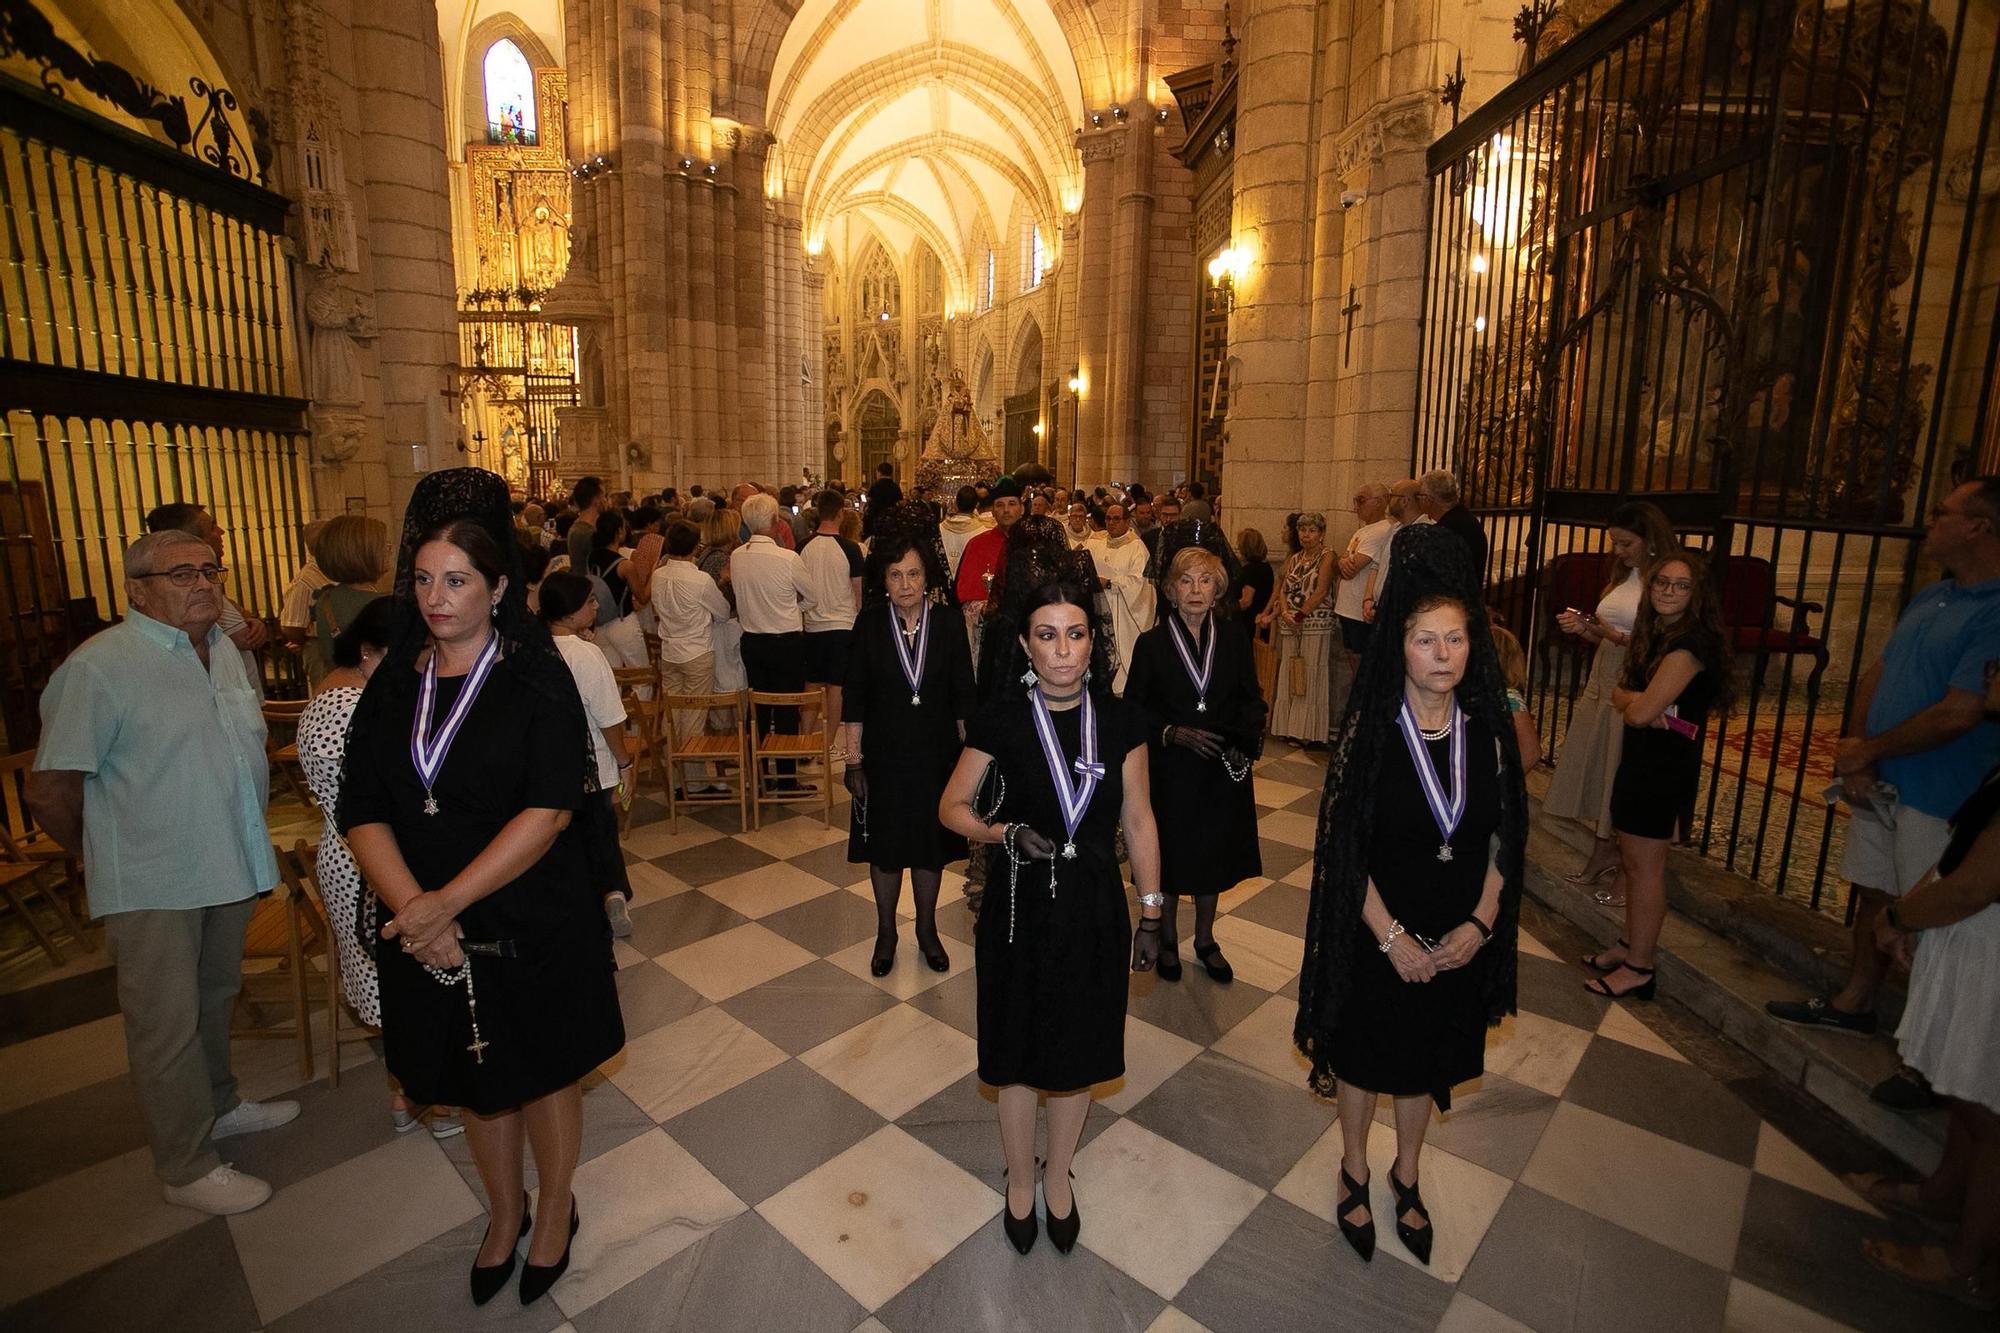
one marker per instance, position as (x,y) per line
(1067,688)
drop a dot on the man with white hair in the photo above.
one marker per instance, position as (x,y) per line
(1403,511)
(1437,494)
(1128,594)
(152,769)
(772,594)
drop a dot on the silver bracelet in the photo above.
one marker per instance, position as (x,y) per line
(1395,929)
(1153,900)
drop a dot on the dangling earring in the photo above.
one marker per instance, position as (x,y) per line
(494,610)
(1028,678)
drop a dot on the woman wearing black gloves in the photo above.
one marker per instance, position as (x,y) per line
(1053,926)
(1195,685)
(908,695)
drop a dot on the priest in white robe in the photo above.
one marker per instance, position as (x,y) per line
(1130,599)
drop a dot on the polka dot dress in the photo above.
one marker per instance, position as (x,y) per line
(322,739)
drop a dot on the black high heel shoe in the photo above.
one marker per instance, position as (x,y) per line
(1642,991)
(1168,967)
(1063,1230)
(1021,1231)
(1590,960)
(1218,968)
(536,1279)
(933,954)
(487,1281)
(1417,1240)
(1361,1235)
(884,957)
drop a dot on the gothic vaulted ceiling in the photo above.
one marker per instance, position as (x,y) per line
(926,118)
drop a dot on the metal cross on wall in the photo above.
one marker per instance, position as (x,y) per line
(1347,354)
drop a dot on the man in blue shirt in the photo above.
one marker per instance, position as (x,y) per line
(152,768)
(1925,739)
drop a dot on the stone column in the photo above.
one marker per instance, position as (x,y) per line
(399,165)
(1093,267)
(1263,469)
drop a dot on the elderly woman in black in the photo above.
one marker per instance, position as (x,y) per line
(467,758)
(1195,685)
(908,696)
(1410,936)
(1054,930)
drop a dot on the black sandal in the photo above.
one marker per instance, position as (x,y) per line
(1212,961)
(1590,960)
(1361,1235)
(1417,1240)
(1642,991)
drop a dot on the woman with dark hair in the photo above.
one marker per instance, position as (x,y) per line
(567,607)
(1676,676)
(908,697)
(467,759)
(620,638)
(1195,686)
(1638,534)
(350,908)
(1410,936)
(1054,940)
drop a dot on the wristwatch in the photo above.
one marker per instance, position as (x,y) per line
(1152,900)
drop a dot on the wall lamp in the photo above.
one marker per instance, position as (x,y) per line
(589,167)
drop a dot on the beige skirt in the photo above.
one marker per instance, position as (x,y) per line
(1299,696)
(1588,759)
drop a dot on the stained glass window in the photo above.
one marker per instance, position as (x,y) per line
(1037,258)
(510,95)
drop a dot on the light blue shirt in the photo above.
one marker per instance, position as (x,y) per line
(1947,635)
(176,775)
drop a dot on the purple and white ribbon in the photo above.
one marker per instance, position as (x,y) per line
(1183,644)
(428,753)
(1074,798)
(912,657)
(1447,808)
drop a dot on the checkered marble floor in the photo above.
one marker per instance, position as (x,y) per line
(787,1143)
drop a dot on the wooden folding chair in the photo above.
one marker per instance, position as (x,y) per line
(642,740)
(770,747)
(281,744)
(724,753)
(22,842)
(289,931)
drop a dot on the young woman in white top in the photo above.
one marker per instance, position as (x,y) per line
(1639,534)
(568,609)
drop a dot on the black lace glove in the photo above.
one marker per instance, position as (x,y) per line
(1033,846)
(855,779)
(1146,944)
(1207,744)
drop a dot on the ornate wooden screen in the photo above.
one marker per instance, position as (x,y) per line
(147,349)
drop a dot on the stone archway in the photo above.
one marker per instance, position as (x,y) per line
(1024,406)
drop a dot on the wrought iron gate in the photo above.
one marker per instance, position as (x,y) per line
(1725,256)
(147,350)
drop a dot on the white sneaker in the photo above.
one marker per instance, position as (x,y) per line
(619,915)
(222,1191)
(446,1125)
(252,1117)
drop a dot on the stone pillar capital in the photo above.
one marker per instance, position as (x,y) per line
(1101,145)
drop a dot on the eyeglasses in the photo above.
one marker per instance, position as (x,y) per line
(184,576)
(1673,585)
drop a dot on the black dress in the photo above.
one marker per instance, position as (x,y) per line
(1052,998)
(1659,770)
(551,1014)
(908,750)
(1208,822)
(1258,576)
(1410,1038)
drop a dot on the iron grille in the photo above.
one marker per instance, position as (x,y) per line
(1725,257)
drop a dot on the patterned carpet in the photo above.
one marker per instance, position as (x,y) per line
(787,1143)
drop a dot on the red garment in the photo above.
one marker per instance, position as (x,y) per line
(981,557)
(781,531)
